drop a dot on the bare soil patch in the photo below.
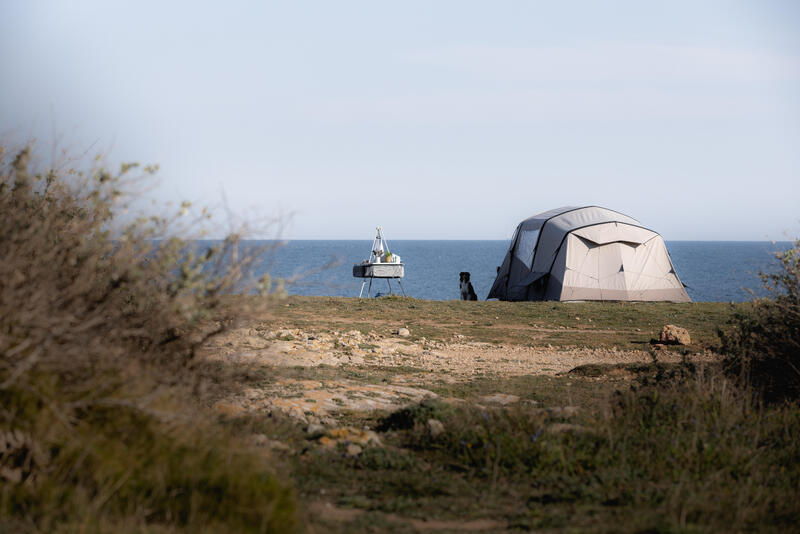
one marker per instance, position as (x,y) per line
(418,363)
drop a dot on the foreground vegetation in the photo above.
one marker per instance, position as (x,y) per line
(107,421)
(691,455)
(98,383)
(762,339)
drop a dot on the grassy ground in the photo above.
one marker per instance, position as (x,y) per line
(595,324)
(661,459)
(645,447)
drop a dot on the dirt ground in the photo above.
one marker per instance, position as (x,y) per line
(331,382)
(415,364)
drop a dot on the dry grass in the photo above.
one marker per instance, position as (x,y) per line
(98,328)
(680,454)
(592,324)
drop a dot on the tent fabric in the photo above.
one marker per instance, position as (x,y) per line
(588,253)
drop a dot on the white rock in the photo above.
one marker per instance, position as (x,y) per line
(353,450)
(435,427)
(315,429)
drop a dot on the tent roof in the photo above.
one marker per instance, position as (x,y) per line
(570,217)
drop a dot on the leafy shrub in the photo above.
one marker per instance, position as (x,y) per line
(411,416)
(99,325)
(762,340)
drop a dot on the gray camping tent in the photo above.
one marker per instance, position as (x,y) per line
(588,253)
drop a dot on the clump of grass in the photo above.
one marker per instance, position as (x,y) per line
(126,469)
(690,451)
(412,416)
(99,325)
(762,340)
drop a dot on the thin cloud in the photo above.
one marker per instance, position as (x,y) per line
(588,83)
(510,107)
(633,63)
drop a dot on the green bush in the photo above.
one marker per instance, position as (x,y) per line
(762,341)
(99,325)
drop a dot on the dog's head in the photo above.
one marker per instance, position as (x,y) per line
(463,277)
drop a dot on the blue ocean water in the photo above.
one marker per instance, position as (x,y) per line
(712,270)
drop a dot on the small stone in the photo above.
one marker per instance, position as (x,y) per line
(674,335)
(259,440)
(315,429)
(353,450)
(435,427)
(403,332)
(278,446)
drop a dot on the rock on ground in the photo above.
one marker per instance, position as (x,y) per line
(435,427)
(348,436)
(674,335)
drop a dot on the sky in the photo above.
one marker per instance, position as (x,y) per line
(434,119)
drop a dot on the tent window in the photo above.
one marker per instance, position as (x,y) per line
(525,244)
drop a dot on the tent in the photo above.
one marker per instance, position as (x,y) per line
(588,253)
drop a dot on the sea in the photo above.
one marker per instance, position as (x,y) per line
(713,271)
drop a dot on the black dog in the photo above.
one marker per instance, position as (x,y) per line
(467,291)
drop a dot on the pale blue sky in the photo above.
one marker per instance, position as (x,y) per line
(435,119)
